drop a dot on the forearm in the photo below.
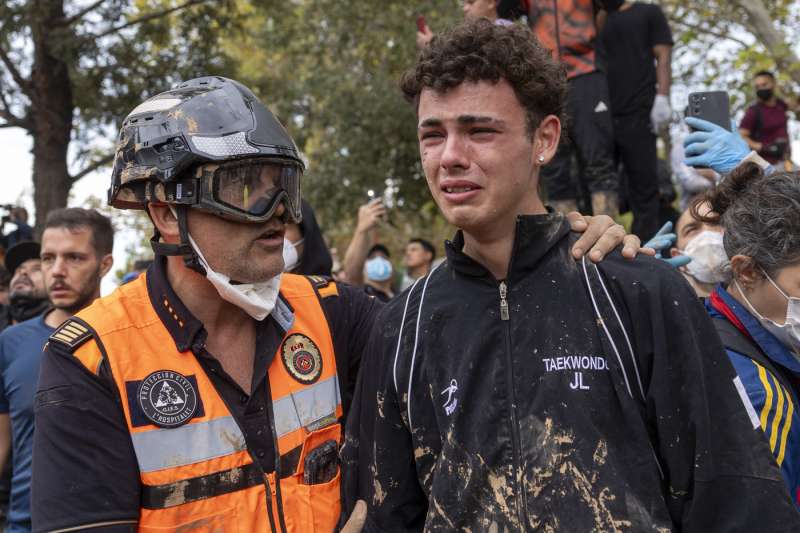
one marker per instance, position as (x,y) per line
(664,71)
(755,145)
(356,256)
(5,439)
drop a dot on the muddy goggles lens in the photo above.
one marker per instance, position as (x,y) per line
(256,188)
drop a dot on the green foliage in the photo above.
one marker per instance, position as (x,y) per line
(717,45)
(330,70)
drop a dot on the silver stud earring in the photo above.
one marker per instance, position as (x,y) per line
(540,159)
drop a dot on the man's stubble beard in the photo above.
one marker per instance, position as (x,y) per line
(86,294)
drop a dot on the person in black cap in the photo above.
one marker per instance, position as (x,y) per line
(27,296)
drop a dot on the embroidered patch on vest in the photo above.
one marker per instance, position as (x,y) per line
(71,333)
(168,399)
(302,358)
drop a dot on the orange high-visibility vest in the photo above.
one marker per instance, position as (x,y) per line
(196,471)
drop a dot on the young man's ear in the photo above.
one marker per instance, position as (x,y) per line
(546,139)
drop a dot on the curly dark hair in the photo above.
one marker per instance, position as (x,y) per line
(760,214)
(480,50)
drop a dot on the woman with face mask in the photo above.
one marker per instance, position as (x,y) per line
(758,313)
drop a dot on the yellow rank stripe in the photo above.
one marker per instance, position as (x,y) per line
(786,427)
(776,429)
(762,375)
(776,422)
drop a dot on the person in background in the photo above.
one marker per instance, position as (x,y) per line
(567,29)
(702,242)
(139,266)
(378,273)
(418,261)
(5,280)
(27,296)
(765,124)
(367,263)
(472,9)
(758,315)
(23,232)
(304,249)
(690,181)
(638,47)
(75,255)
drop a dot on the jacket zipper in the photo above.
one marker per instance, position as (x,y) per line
(522,502)
(503,301)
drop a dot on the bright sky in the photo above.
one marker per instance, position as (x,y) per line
(15,153)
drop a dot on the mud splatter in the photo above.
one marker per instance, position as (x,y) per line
(561,474)
(177,494)
(191,125)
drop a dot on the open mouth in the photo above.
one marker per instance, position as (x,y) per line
(452,190)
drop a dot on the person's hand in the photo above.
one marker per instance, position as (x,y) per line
(661,113)
(713,146)
(357,518)
(370,214)
(424,37)
(601,235)
(662,241)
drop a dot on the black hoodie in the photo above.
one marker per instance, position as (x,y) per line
(316,258)
(503,410)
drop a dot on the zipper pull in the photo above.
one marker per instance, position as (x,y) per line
(503,301)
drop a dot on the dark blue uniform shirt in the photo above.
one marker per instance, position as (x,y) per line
(20,356)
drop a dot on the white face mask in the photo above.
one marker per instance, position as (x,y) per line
(290,256)
(788,332)
(255,299)
(710,263)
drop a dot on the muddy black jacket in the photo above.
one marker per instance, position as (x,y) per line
(522,414)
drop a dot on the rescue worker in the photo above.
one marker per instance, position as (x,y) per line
(514,389)
(758,314)
(207,394)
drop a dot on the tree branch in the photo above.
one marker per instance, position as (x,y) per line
(150,16)
(12,120)
(24,85)
(707,31)
(91,167)
(82,13)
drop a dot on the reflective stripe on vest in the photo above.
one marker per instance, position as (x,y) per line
(202,469)
(184,445)
(306,407)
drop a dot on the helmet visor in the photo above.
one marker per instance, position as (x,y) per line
(254,188)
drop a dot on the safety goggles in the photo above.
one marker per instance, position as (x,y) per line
(248,190)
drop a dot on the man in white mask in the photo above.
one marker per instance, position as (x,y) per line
(702,242)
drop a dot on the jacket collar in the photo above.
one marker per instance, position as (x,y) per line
(768,343)
(534,236)
(187,330)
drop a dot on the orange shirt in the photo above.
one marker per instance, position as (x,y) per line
(566,27)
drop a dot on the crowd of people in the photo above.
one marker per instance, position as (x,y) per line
(548,372)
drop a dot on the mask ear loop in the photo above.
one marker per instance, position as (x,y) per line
(775,285)
(183,249)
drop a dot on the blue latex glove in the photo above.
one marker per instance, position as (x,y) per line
(662,242)
(714,147)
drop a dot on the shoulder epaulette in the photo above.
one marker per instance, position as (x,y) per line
(324,286)
(71,334)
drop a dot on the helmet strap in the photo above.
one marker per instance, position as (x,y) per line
(183,249)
